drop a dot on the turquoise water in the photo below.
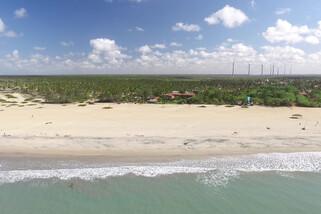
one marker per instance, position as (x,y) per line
(255,193)
(273,183)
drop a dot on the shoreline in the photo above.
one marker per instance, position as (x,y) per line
(156,132)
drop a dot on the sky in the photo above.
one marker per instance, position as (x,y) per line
(159,36)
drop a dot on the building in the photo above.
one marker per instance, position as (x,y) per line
(176,94)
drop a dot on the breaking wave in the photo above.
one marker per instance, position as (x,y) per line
(214,171)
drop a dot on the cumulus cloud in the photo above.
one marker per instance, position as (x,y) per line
(149,48)
(237,51)
(283,54)
(220,59)
(229,16)
(285,32)
(145,49)
(180,26)
(7,33)
(159,46)
(107,56)
(21,13)
(312,40)
(13,56)
(105,50)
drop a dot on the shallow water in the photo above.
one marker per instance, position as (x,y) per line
(271,183)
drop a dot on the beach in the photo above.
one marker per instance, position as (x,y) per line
(151,158)
(155,131)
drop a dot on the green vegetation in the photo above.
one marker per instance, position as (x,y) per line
(10,96)
(220,90)
(107,107)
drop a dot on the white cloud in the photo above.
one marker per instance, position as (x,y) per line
(11,34)
(149,48)
(105,50)
(7,33)
(313,40)
(175,44)
(145,49)
(252,3)
(199,59)
(107,56)
(285,32)
(199,37)
(21,13)
(37,48)
(159,46)
(139,29)
(238,51)
(13,56)
(230,40)
(2,26)
(229,16)
(283,11)
(67,43)
(180,26)
(283,54)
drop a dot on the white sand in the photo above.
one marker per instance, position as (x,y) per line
(129,130)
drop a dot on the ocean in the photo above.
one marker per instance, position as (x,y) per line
(261,183)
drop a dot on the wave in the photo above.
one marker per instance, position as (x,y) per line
(214,171)
(95,173)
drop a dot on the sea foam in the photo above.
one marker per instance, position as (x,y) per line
(215,171)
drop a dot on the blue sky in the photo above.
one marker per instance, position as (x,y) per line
(158,36)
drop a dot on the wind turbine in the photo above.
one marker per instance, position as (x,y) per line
(233,68)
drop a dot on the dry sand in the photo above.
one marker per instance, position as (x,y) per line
(156,131)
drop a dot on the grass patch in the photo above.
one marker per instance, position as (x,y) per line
(294,118)
(37,101)
(107,107)
(28,99)
(297,115)
(11,105)
(10,96)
